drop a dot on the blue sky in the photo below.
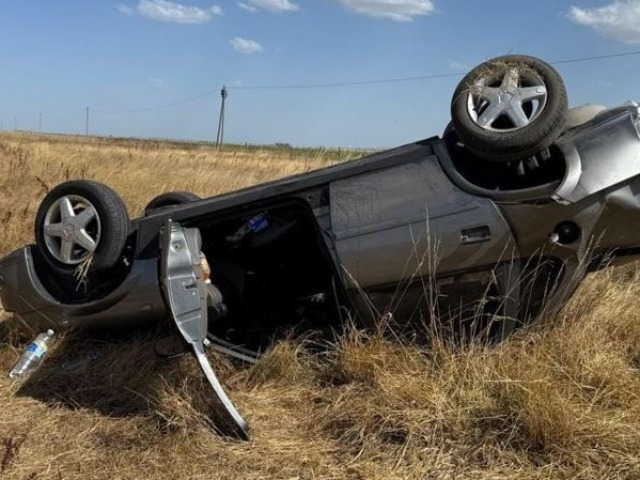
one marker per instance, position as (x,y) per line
(57,58)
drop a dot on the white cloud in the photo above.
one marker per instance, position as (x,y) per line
(244,45)
(158,82)
(247,7)
(619,20)
(166,11)
(398,10)
(458,66)
(270,5)
(126,9)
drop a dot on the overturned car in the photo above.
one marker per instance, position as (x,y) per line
(479,231)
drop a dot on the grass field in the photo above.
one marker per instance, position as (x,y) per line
(559,400)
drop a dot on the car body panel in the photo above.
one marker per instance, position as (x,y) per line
(603,155)
(137,300)
(411,220)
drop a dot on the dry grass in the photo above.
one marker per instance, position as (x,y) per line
(560,400)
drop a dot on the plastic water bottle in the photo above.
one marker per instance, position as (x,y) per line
(31,359)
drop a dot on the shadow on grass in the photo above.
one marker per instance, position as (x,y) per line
(114,375)
(123,376)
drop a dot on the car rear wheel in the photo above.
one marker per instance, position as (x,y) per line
(170,199)
(509,108)
(81,221)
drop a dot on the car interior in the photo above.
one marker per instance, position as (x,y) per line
(274,272)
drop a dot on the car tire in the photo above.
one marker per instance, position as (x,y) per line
(509,108)
(78,221)
(170,199)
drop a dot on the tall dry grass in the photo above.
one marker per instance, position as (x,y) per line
(558,400)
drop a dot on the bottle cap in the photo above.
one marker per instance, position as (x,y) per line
(50,332)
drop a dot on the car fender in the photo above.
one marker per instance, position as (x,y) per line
(136,300)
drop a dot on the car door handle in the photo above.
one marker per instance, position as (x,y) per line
(475,234)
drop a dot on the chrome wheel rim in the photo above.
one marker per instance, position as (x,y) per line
(507,100)
(71,229)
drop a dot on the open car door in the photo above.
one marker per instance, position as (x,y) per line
(188,295)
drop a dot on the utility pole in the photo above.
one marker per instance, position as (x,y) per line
(40,123)
(86,126)
(15,124)
(220,137)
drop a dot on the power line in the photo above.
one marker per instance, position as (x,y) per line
(159,107)
(597,57)
(278,87)
(420,77)
(347,83)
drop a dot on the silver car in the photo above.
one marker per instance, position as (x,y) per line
(474,233)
